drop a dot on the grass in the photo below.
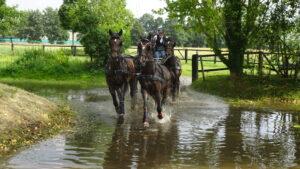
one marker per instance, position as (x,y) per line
(35,67)
(251,91)
(15,138)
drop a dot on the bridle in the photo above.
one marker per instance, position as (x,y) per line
(112,43)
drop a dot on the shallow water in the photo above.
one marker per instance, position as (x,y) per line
(200,131)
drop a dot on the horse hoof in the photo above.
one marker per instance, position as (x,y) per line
(160,116)
(146,124)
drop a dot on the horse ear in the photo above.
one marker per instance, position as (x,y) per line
(110,32)
(121,32)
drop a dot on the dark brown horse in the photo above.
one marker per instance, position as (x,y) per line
(120,73)
(155,79)
(174,66)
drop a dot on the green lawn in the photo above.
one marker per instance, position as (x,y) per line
(37,68)
(252,91)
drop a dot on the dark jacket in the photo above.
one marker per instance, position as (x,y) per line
(160,45)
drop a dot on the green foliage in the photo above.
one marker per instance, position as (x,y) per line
(136,32)
(253,91)
(52,26)
(93,19)
(151,24)
(237,23)
(39,64)
(181,32)
(9,19)
(33,29)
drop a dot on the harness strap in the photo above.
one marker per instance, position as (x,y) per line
(149,77)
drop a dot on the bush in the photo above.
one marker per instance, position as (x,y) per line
(38,64)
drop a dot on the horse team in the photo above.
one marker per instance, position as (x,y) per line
(157,79)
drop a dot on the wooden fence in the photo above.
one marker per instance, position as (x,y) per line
(73,48)
(253,60)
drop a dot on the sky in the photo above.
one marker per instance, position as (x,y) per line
(138,7)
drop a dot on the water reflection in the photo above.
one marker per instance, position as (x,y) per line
(204,132)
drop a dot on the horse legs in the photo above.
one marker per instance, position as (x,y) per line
(145,117)
(121,94)
(164,96)
(114,97)
(174,87)
(133,91)
(158,104)
(177,86)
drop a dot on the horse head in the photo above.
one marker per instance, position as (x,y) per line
(145,51)
(169,47)
(115,42)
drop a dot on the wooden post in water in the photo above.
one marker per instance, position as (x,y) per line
(260,63)
(186,55)
(195,67)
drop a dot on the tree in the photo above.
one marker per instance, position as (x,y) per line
(93,19)
(236,22)
(52,26)
(137,31)
(9,19)
(68,17)
(33,29)
(150,23)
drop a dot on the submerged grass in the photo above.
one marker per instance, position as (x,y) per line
(252,91)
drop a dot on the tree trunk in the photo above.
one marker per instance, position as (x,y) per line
(235,37)
(236,59)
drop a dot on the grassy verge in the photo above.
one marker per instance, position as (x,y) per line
(38,68)
(254,92)
(13,139)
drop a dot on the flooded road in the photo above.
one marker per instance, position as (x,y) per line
(199,131)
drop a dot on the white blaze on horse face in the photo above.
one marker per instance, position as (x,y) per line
(115,40)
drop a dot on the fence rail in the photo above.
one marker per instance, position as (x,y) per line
(43,46)
(260,60)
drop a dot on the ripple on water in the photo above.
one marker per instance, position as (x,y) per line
(201,131)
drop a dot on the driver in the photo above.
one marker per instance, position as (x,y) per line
(159,50)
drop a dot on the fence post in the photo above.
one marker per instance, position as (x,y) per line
(248,64)
(260,63)
(186,55)
(12,44)
(43,48)
(202,68)
(215,59)
(194,67)
(73,50)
